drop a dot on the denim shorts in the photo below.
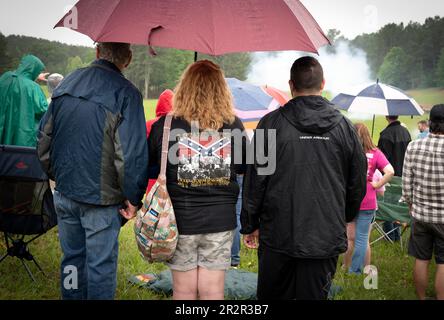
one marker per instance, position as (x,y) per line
(211,251)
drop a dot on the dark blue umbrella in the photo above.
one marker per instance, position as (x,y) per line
(378,99)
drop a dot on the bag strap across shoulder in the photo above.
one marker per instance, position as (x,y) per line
(165,145)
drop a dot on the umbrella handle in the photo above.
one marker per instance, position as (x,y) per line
(152,30)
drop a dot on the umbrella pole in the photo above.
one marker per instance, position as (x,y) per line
(195,56)
(373,125)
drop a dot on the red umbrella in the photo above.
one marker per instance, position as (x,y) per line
(208,26)
(279,95)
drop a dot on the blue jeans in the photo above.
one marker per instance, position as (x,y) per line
(88,236)
(388,226)
(363,222)
(235,249)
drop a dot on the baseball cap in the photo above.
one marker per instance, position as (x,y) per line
(437,113)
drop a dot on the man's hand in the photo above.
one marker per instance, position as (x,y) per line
(251,241)
(129,212)
(42,77)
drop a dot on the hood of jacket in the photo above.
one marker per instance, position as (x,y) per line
(165,103)
(312,114)
(30,67)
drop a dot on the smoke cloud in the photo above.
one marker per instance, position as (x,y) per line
(344,67)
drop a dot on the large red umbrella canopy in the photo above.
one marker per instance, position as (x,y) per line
(213,27)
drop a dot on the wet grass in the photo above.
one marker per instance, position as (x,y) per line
(393,264)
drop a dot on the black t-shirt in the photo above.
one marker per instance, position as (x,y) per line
(201,173)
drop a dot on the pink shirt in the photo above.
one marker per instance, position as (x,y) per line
(376,161)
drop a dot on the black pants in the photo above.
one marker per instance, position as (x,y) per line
(283,277)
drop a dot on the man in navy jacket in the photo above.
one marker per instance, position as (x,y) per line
(92,142)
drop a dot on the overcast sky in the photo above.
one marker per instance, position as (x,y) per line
(351,17)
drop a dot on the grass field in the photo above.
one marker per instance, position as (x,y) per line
(150,108)
(394,266)
(427,98)
(394,272)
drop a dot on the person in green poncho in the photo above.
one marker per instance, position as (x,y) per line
(22,103)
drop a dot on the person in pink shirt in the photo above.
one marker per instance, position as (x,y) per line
(351,230)
(360,227)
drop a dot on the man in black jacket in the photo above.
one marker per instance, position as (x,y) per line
(301,209)
(393,142)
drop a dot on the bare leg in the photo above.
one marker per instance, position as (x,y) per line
(211,284)
(439,282)
(368,256)
(351,245)
(420,276)
(184,285)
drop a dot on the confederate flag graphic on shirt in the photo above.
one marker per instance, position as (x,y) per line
(204,159)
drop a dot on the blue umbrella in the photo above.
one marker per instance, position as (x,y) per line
(251,102)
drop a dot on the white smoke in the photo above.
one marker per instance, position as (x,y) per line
(346,67)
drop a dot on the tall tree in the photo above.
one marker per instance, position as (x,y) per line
(421,42)
(4,58)
(235,65)
(395,68)
(440,70)
(74,63)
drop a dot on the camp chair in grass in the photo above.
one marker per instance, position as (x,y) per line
(392,209)
(26,203)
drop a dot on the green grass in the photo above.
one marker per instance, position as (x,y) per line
(15,283)
(394,271)
(395,277)
(427,98)
(150,108)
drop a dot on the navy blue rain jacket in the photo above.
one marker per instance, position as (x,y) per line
(92,140)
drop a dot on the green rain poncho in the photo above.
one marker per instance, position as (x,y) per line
(22,103)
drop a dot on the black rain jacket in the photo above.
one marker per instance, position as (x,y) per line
(393,142)
(319,181)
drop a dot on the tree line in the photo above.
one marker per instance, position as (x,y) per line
(151,74)
(406,56)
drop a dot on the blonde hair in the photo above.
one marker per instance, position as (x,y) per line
(202,95)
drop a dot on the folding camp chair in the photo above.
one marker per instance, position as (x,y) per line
(26,202)
(391,208)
